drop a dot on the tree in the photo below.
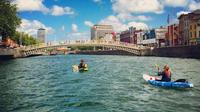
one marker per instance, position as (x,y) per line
(9,19)
(24,39)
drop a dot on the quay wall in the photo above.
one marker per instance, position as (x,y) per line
(179,52)
(8,53)
(104,52)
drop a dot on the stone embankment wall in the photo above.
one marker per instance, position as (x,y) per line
(8,53)
(179,52)
(104,52)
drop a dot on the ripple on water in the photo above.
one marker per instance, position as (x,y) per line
(113,83)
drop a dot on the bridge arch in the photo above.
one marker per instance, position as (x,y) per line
(131,48)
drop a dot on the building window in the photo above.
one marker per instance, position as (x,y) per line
(195,27)
(199,34)
(190,34)
(195,35)
(190,27)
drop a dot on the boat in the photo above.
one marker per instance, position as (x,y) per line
(75,68)
(153,80)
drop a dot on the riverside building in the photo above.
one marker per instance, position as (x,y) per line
(172,37)
(194,27)
(189,28)
(101,32)
(160,34)
(128,36)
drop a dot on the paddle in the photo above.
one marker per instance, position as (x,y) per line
(156,66)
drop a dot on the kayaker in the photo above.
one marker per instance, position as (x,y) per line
(82,64)
(166,74)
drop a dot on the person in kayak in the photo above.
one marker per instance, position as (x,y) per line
(166,74)
(82,65)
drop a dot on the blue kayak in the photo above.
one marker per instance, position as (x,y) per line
(152,80)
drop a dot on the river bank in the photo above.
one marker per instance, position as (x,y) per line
(103,52)
(178,52)
(10,53)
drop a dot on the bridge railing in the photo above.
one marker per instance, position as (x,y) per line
(89,42)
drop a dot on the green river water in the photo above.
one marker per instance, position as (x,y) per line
(112,84)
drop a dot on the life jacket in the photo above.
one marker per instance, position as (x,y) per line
(168,73)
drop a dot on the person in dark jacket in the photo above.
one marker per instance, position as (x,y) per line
(82,64)
(166,74)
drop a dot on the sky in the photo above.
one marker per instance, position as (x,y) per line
(72,19)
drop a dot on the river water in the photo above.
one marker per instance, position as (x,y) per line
(112,84)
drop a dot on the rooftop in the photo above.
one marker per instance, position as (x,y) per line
(41,29)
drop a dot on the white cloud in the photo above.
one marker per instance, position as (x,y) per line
(74,28)
(31,5)
(138,25)
(194,5)
(130,17)
(119,26)
(181,12)
(137,6)
(57,10)
(176,3)
(88,23)
(31,27)
(78,36)
(115,22)
(37,5)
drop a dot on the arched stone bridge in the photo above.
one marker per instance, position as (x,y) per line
(131,48)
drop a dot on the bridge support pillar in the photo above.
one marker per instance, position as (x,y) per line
(103,48)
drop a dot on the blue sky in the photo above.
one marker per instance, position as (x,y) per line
(72,19)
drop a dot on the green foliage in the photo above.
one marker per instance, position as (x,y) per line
(85,48)
(9,19)
(82,48)
(24,38)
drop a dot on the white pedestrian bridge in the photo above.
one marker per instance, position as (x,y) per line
(131,48)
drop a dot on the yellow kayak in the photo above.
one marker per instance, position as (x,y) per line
(76,69)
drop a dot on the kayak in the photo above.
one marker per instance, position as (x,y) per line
(153,81)
(76,69)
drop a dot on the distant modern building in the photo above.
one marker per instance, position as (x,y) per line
(41,35)
(101,32)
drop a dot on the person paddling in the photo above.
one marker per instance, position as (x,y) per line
(166,74)
(82,65)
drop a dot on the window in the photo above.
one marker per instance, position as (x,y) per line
(190,34)
(199,34)
(190,27)
(195,34)
(195,27)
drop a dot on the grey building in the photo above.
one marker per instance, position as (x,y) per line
(100,31)
(41,35)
